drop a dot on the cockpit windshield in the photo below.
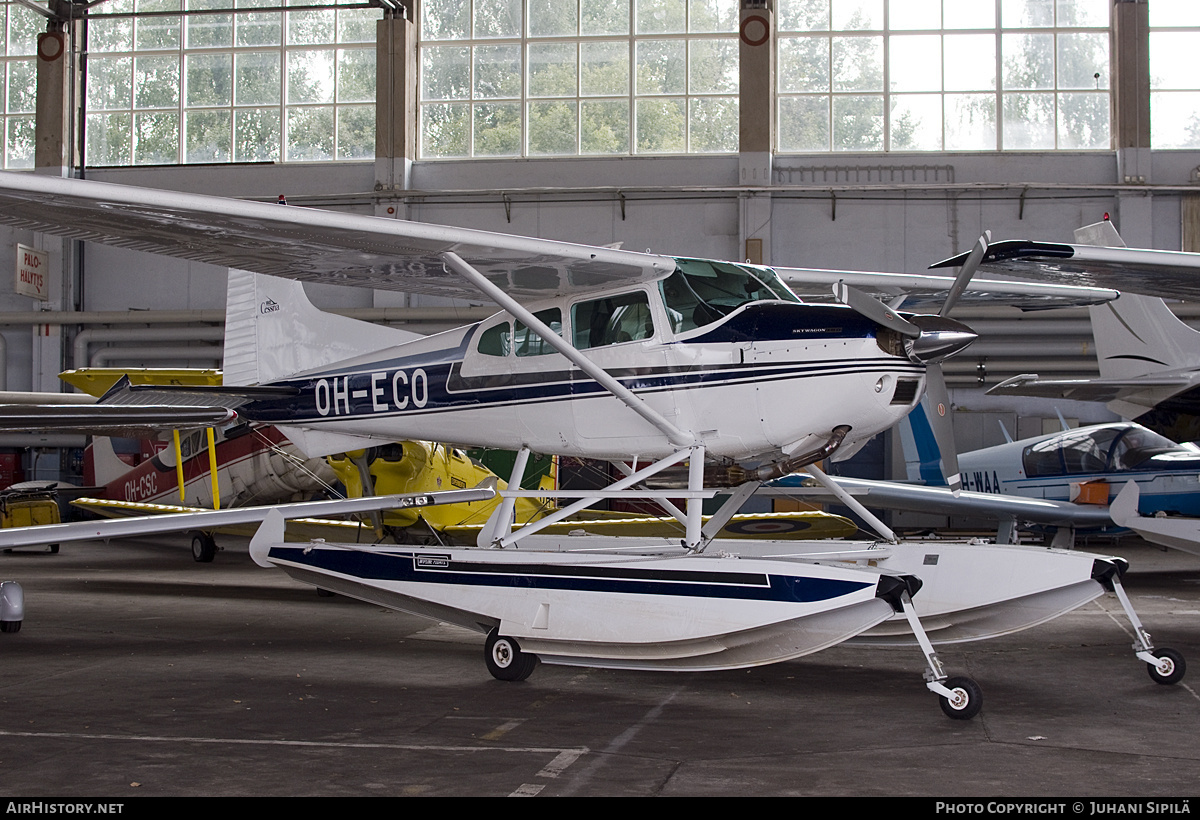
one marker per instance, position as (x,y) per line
(1101,449)
(701,291)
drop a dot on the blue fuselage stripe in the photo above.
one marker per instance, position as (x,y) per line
(434,569)
(436,388)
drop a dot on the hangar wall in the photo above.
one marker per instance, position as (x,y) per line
(888,212)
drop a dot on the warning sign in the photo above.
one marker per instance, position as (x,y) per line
(32,273)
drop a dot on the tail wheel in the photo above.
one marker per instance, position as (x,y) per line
(505,660)
(965,701)
(1169,669)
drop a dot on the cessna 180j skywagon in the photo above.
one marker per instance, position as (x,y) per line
(710,374)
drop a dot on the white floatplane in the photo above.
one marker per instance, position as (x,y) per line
(712,374)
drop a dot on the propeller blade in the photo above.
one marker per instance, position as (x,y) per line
(965,273)
(938,411)
(874,309)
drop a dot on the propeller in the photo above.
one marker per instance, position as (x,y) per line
(929,340)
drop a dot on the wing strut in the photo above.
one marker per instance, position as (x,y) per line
(212,469)
(179,465)
(851,502)
(694,494)
(679,438)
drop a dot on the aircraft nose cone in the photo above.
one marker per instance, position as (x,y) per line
(940,339)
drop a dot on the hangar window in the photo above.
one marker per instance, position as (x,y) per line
(21,28)
(165,89)
(1174,85)
(578,77)
(923,75)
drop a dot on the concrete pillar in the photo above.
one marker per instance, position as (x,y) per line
(1189,215)
(756,131)
(395,101)
(1130,71)
(55,153)
(57,79)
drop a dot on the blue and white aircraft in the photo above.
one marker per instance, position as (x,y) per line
(1066,479)
(711,374)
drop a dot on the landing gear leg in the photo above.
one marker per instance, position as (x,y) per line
(1166,666)
(961,698)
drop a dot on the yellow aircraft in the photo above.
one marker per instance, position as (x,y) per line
(421,466)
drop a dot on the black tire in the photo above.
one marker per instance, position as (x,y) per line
(10,626)
(204,548)
(324,593)
(505,660)
(968,699)
(54,549)
(1170,669)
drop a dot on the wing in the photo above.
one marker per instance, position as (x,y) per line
(313,245)
(1167,274)
(940,500)
(921,291)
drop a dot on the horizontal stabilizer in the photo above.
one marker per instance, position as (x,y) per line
(96,419)
(124,394)
(1177,532)
(1029,384)
(211,519)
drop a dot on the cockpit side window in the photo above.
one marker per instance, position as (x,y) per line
(1043,458)
(496,340)
(612,320)
(528,343)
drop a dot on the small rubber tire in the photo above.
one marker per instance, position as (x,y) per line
(967,701)
(324,593)
(54,549)
(204,548)
(1170,669)
(10,626)
(505,660)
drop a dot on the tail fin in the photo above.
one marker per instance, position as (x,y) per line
(272,331)
(1136,335)
(1140,336)
(922,457)
(106,466)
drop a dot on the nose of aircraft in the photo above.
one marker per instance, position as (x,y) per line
(940,339)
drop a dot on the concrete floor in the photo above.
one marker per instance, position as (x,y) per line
(141,673)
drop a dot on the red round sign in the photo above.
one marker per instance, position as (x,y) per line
(755,30)
(50,46)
